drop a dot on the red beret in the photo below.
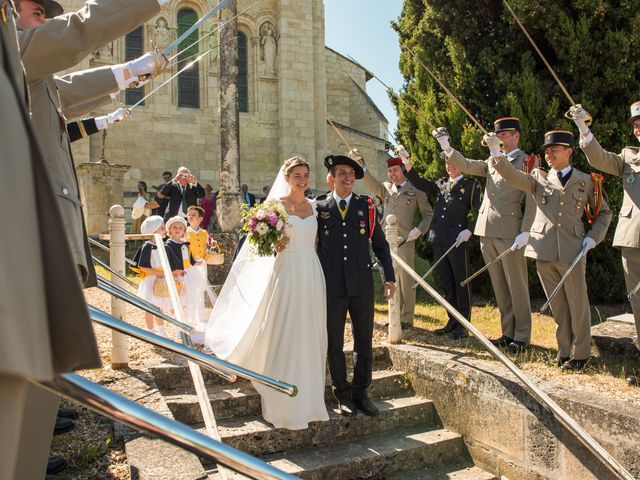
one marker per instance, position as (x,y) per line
(393,162)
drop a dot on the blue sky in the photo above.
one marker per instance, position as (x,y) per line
(361,29)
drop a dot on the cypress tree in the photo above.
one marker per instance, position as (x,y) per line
(478,51)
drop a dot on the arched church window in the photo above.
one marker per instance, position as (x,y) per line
(243,73)
(133,48)
(188,81)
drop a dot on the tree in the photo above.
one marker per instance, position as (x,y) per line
(478,51)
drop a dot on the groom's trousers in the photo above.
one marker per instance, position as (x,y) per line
(360,309)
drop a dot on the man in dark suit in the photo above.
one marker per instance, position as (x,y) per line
(344,231)
(162,202)
(457,200)
(248,198)
(182,192)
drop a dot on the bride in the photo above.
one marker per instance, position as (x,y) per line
(271,314)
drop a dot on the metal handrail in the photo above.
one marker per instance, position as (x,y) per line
(107,249)
(219,366)
(116,407)
(139,302)
(530,386)
(113,272)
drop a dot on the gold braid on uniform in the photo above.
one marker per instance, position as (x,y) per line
(596,178)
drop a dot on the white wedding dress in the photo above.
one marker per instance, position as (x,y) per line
(271,318)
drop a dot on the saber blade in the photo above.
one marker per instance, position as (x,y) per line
(563,279)
(192,28)
(486,267)
(433,267)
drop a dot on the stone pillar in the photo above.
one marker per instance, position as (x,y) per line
(395,327)
(100,187)
(119,355)
(228,203)
(320,93)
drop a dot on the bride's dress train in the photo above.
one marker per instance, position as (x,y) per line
(283,333)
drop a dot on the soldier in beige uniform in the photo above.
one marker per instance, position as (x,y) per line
(501,225)
(401,198)
(626,165)
(562,197)
(45,328)
(58,44)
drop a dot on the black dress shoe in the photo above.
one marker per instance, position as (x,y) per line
(441,332)
(561,361)
(56,464)
(633,380)
(516,346)
(68,413)
(366,406)
(63,425)
(459,333)
(347,408)
(503,341)
(574,365)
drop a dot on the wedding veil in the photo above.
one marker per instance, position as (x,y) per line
(243,291)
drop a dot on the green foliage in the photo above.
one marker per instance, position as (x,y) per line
(479,52)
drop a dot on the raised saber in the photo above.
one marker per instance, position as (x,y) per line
(433,267)
(447,91)
(487,266)
(582,253)
(544,60)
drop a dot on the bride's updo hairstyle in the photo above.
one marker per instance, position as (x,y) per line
(294,162)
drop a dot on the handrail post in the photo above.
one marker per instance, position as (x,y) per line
(395,327)
(119,354)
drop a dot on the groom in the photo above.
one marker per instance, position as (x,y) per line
(344,231)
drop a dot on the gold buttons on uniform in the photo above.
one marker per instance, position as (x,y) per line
(560,214)
(559,225)
(561,203)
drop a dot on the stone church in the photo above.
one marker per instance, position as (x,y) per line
(288,83)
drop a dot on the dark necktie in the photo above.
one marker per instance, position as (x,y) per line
(183,191)
(343,204)
(563,178)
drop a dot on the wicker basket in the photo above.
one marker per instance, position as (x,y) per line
(160,288)
(215,256)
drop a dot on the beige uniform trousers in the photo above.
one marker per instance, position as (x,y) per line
(404,283)
(631,266)
(27,419)
(511,287)
(570,307)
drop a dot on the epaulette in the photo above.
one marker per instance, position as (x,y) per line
(323,196)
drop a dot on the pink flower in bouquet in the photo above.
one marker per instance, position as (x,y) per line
(273,219)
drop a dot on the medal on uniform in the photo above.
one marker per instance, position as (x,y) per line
(631,178)
(360,213)
(324,215)
(362,230)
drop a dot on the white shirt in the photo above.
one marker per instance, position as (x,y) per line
(456,180)
(512,152)
(565,171)
(395,189)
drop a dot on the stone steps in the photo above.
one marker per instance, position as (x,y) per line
(172,376)
(240,398)
(406,441)
(373,457)
(451,473)
(257,437)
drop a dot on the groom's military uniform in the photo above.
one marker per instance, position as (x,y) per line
(343,249)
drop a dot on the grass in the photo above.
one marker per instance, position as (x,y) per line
(540,354)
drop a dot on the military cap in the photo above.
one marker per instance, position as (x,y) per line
(51,8)
(335,160)
(558,137)
(394,162)
(635,112)
(505,124)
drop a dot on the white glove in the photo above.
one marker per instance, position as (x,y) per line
(588,243)
(462,237)
(580,117)
(493,142)
(404,155)
(114,117)
(520,241)
(357,156)
(414,234)
(443,138)
(150,64)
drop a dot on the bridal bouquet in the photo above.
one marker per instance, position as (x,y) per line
(266,228)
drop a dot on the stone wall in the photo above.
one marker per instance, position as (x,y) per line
(510,434)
